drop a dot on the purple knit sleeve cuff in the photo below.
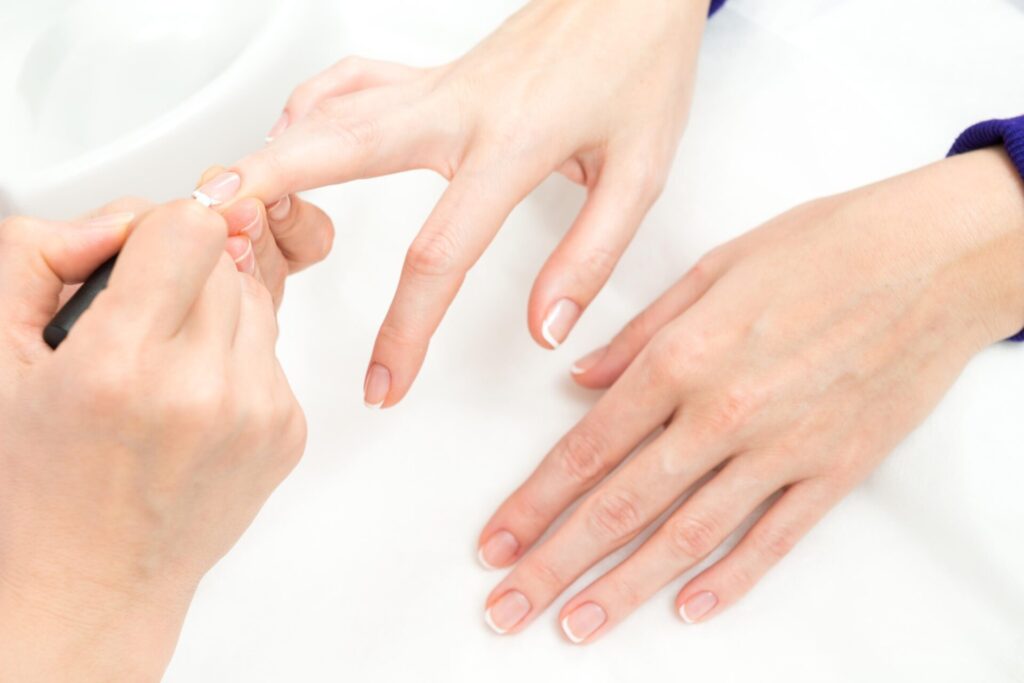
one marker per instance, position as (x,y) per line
(1006,132)
(715,6)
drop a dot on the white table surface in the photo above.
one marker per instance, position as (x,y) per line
(362,566)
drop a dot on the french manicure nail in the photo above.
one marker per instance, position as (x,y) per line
(278,128)
(110,221)
(559,321)
(245,213)
(697,606)
(583,621)
(589,361)
(280,209)
(508,611)
(376,386)
(498,550)
(240,250)
(218,190)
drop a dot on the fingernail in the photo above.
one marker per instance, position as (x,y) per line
(697,606)
(376,386)
(218,190)
(278,128)
(280,209)
(583,621)
(508,611)
(498,550)
(240,249)
(245,213)
(110,221)
(559,321)
(589,361)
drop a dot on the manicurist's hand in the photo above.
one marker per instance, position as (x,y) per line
(596,90)
(784,366)
(133,457)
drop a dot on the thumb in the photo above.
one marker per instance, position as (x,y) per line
(38,258)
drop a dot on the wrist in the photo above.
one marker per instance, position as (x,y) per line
(88,632)
(982,196)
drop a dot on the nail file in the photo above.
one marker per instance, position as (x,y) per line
(58,328)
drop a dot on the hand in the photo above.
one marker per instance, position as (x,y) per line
(598,91)
(784,366)
(272,242)
(135,455)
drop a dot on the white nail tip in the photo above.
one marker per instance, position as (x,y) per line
(576,640)
(204,199)
(682,615)
(577,370)
(373,406)
(248,250)
(484,563)
(494,627)
(545,330)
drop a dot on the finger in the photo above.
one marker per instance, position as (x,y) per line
(631,410)
(302,230)
(37,258)
(239,249)
(135,205)
(782,526)
(691,533)
(256,335)
(463,223)
(366,134)
(581,265)
(163,268)
(211,324)
(600,368)
(614,514)
(347,76)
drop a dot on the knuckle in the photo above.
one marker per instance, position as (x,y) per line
(433,254)
(199,408)
(704,271)
(544,573)
(692,537)
(393,335)
(639,329)
(296,433)
(732,409)
(581,455)
(615,516)
(647,178)
(627,593)
(360,133)
(773,541)
(675,356)
(596,267)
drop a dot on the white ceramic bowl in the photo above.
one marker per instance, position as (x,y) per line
(138,97)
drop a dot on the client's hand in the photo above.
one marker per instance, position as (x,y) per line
(784,366)
(133,457)
(272,242)
(597,90)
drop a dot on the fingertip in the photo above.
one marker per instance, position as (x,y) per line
(247,217)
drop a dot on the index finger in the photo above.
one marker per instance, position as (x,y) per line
(367,134)
(164,266)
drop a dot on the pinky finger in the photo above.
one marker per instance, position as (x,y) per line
(768,541)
